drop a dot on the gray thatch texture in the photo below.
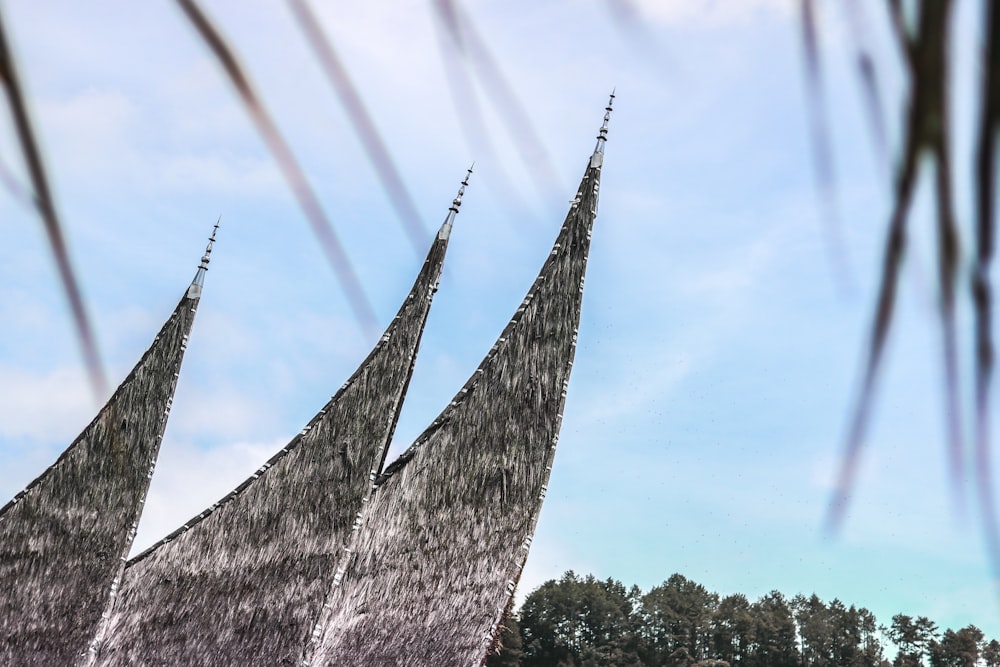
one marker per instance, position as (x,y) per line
(64,539)
(243,582)
(445,535)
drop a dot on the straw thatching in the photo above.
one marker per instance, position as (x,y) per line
(443,539)
(243,582)
(63,540)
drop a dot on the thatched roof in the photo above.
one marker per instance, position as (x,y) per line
(242,583)
(443,539)
(64,539)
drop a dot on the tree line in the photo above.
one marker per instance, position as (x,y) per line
(584,622)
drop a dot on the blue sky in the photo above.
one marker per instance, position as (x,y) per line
(720,344)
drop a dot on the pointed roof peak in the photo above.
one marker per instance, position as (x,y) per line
(199,277)
(602,135)
(461,190)
(455,205)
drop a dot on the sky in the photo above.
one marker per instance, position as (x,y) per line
(725,313)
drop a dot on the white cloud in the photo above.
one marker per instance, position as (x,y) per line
(43,406)
(91,134)
(188,479)
(219,174)
(219,411)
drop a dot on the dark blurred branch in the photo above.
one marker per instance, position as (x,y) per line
(930,70)
(982,292)
(898,19)
(46,208)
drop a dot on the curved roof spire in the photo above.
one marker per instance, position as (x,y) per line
(439,546)
(199,277)
(64,539)
(455,205)
(243,582)
(602,135)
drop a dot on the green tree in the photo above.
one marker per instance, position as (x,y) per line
(732,630)
(815,631)
(579,622)
(845,632)
(677,614)
(913,637)
(872,653)
(774,633)
(956,649)
(991,653)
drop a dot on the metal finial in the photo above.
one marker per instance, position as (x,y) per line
(602,135)
(199,277)
(208,248)
(455,205)
(461,190)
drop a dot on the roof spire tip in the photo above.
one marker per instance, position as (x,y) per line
(194,291)
(602,135)
(461,190)
(455,205)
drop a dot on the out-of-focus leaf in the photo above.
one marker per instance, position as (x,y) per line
(470,45)
(926,132)
(50,219)
(364,126)
(325,233)
(820,131)
(982,291)
(868,77)
(14,188)
(473,125)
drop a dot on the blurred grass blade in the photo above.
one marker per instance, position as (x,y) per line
(816,97)
(931,73)
(891,262)
(628,18)
(322,228)
(982,292)
(898,22)
(472,123)
(869,84)
(50,220)
(925,131)
(948,284)
(364,126)
(18,192)
(820,131)
(518,122)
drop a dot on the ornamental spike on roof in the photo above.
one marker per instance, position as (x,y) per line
(64,539)
(442,541)
(199,277)
(602,134)
(242,583)
(449,220)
